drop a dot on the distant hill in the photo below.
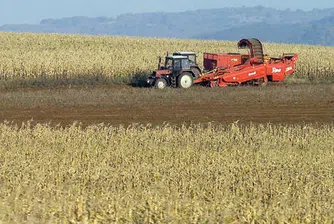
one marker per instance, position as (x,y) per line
(320,32)
(281,33)
(268,24)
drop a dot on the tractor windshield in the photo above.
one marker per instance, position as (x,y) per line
(177,65)
(169,63)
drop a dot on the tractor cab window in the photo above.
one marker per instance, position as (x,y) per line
(185,64)
(177,65)
(192,59)
(169,63)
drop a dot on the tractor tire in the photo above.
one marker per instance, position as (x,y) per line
(185,80)
(160,83)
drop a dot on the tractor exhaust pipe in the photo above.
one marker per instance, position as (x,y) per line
(159,65)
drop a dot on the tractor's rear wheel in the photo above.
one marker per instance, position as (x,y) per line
(185,80)
(160,83)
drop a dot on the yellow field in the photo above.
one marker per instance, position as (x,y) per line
(64,57)
(142,174)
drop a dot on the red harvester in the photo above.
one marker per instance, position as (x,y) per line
(227,69)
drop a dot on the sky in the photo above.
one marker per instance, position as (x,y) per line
(32,11)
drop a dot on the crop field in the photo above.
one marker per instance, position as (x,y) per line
(28,60)
(82,142)
(145,174)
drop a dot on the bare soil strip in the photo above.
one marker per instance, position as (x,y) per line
(126,105)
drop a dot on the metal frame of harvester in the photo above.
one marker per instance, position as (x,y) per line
(227,69)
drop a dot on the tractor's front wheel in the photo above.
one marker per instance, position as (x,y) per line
(160,83)
(185,80)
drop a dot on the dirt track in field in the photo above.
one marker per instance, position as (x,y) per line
(127,105)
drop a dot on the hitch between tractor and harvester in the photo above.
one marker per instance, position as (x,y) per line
(224,69)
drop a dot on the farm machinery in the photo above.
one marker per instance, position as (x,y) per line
(179,70)
(225,69)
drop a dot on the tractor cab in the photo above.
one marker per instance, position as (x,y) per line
(190,55)
(192,59)
(177,63)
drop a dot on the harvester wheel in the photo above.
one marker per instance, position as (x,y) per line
(213,84)
(185,80)
(263,81)
(160,83)
(260,82)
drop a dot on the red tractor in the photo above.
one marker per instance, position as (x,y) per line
(179,70)
(227,69)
